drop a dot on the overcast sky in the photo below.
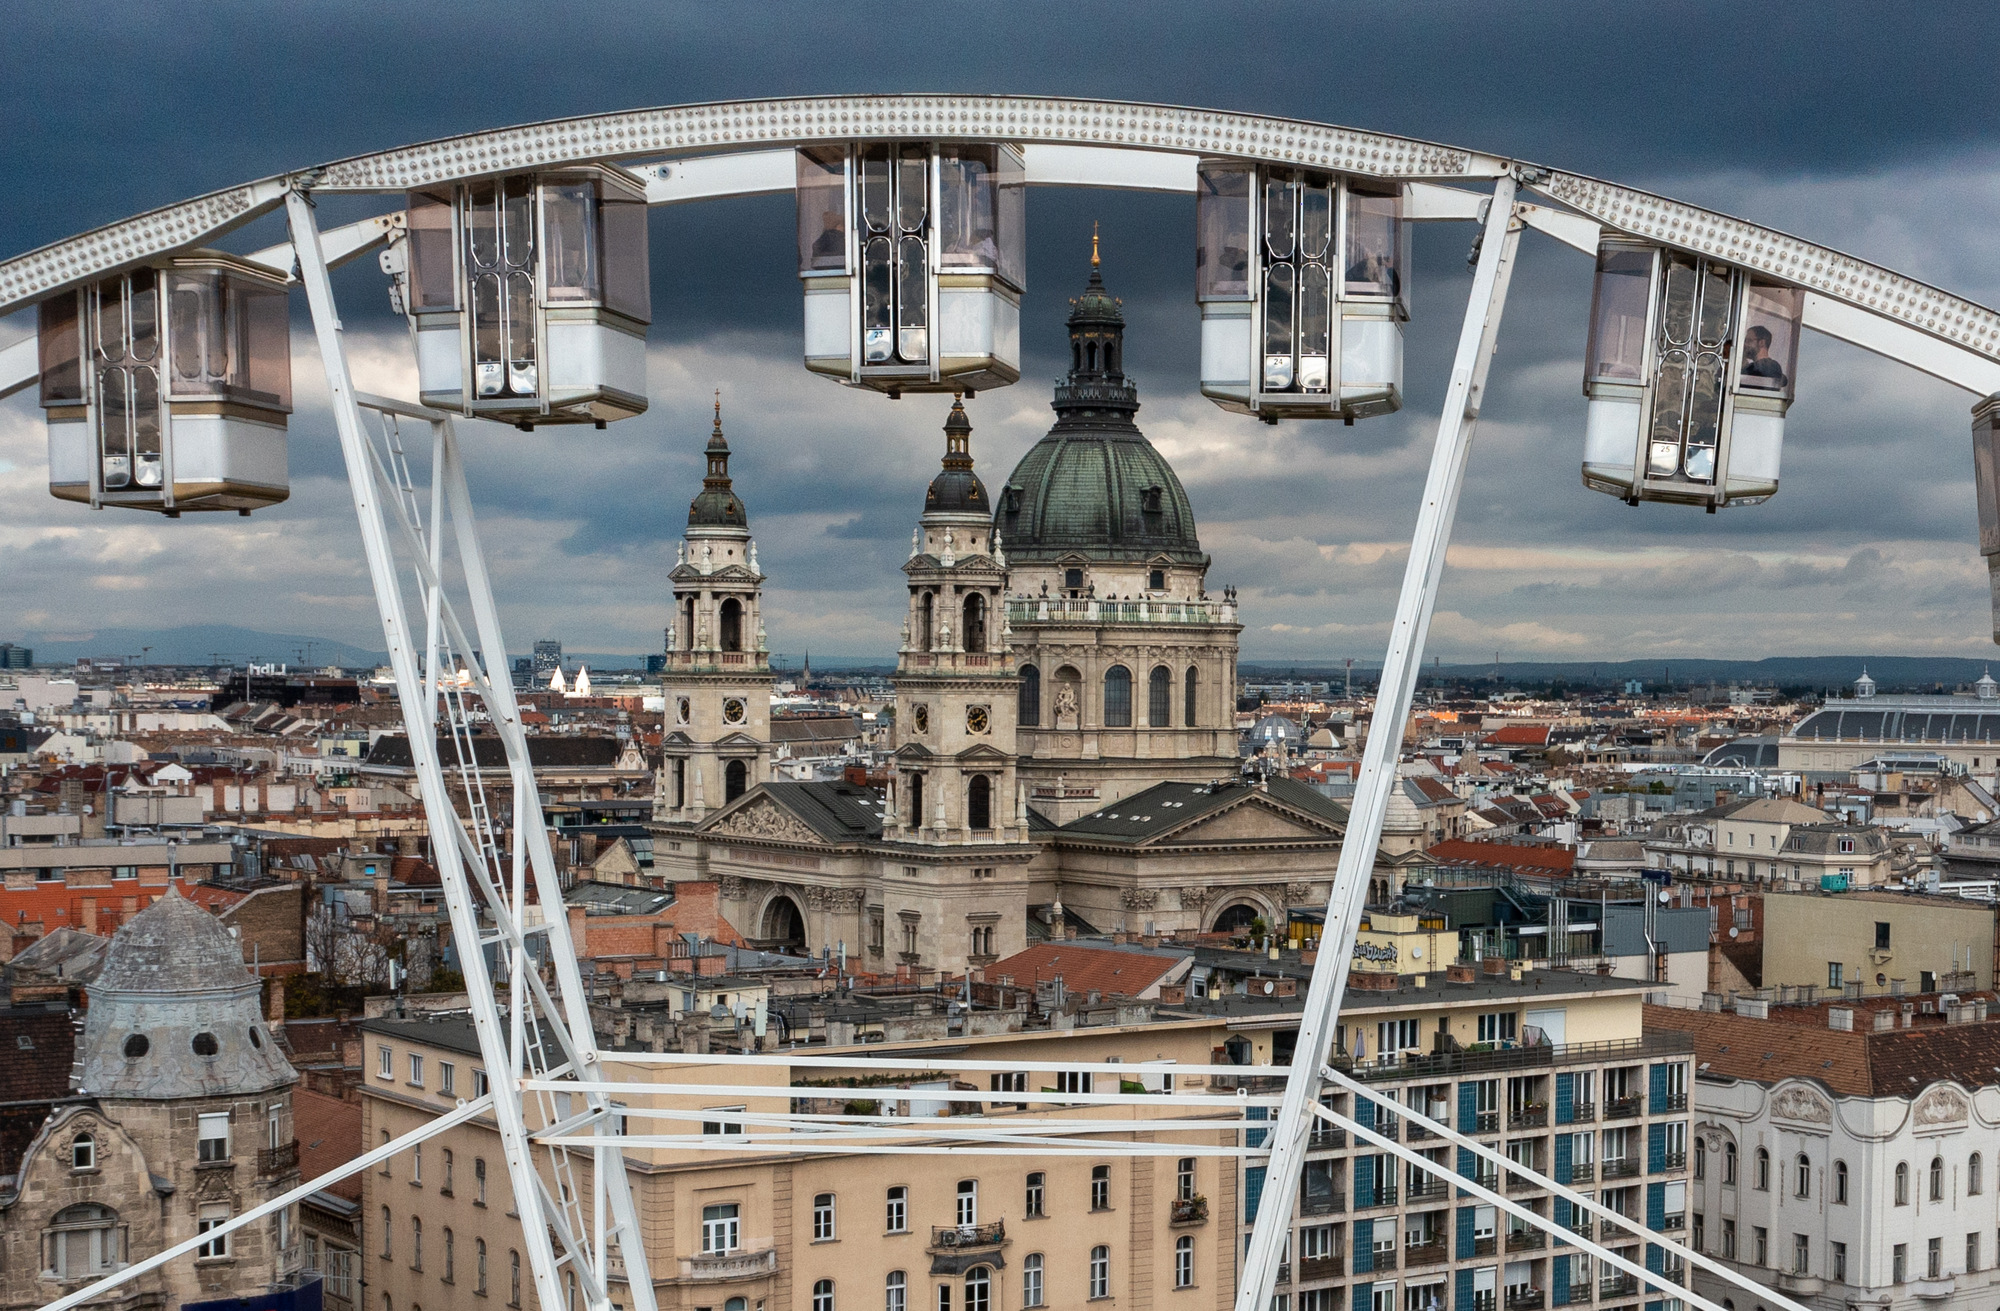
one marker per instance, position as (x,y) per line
(1854,125)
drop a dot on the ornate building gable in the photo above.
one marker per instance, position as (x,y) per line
(1255,819)
(1803,1105)
(1942,1107)
(759,816)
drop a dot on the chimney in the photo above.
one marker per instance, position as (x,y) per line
(1884,1021)
(1711,1002)
(1753,1008)
(1840,1018)
(277,1011)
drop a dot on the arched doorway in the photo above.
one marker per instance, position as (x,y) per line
(735,780)
(979,803)
(732,625)
(784,926)
(1236,917)
(972,631)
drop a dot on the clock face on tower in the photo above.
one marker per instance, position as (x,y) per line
(732,710)
(683,710)
(977,719)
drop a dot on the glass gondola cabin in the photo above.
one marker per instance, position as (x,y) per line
(531,295)
(913,260)
(1303,282)
(168,388)
(1690,369)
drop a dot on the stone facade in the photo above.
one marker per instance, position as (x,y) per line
(181,1118)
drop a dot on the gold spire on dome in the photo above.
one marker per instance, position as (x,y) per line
(1094,261)
(718,411)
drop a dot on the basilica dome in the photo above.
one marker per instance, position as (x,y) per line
(1094,486)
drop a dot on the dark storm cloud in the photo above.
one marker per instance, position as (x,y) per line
(1837,121)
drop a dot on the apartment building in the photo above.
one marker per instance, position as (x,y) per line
(741,1230)
(1553,1069)
(1842,1150)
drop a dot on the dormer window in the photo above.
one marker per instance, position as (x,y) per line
(1156,580)
(83,1152)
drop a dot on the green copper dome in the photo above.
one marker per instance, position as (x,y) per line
(1094,486)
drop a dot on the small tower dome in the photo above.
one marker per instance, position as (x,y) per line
(1986,688)
(717,505)
(174,1012)
(1864,686)
(957,488)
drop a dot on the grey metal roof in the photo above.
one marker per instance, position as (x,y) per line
(1675,929)
(490,752)
(838,812)
(1165,807)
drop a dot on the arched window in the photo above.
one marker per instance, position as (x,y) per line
(926,614)
(1090,356)
(1076,355)
(735,780)
(450,1255)
(479,1274)
(1975,1175)
(968,1202)
(1762,1181)
(823,1295)
(732,625)
(513,1278)
(1729,1163)
(386,1231)
(979,803)
(1188,716)
(1031,1281)
(898,1290)
(979,1289)
(1160,698)
(1118,697)
(1902,1183)
(1700,1159)
(1937,1178)
(1100,1271)
(1031,697)
(479,1181)
(972,631)
(416,1243)
(83,1153)
(1840,1183)
(83,1241)
(1184,1263)
(1802,1181)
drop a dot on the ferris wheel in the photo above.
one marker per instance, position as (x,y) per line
(519,259)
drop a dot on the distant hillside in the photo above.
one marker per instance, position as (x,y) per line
(1889,672)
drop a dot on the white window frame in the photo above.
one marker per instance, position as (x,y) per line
(447,1078)
(213,1214)
(721,1233)
(205,1125)
(897,1210)
(385,1063)
(824,1230)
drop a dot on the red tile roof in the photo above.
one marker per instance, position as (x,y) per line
(1518,735)
(1083,969)
(1540,857)
(329,1134)
(1795,1043)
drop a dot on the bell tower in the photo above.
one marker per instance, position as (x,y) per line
(718,667)
(956,692)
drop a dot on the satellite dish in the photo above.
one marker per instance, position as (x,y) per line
(1664,896)
(1269,987)
(1733,931)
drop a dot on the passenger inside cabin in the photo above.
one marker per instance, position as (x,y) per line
(832,240)
(1759,369)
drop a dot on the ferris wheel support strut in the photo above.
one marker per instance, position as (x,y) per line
(1500,236)
(503,1044)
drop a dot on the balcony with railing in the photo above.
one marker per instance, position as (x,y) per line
(1624,1108)
(282,1159)
(1189,1211)
(1524,1299)
(1441,1065)
(1581,1224)
(1071,610)
(1621,1167)
(1426,1186)
(1675,1161)
(1421,1254)
(1384,1195)
(1385,1258)
(1535,1116)
(1486,1176)
(713,1267)
(1582,1172)
(1617,1286)
(1322,1267)
(1323,1204)
(1583,1113)
(1484,1299)
(1520,1183)
(1485,1246)
(961,1237)
(1672,1103)
(1526,1240)
(1326,1138)
(1486,1122)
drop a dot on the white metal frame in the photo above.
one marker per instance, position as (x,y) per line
(540,1047)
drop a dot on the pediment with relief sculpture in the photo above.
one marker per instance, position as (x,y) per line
(763,818)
